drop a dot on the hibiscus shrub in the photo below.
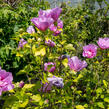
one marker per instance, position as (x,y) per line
(64,62)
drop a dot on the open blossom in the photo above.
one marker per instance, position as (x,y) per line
(103,43)
(90,51)
(47,87)
(76,64)
(5,81)
(57,29)
(21,84)
(56,81)
(22,43)
(45,13)
(53,13)
(30,29)
(56,13)
(42,23)
(50,43)
(50,67)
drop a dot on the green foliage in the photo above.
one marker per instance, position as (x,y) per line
(87,89)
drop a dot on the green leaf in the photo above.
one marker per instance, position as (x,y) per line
(10,101)
(23,105)
(69,47)
(39,51)
(79,107)
(105,83)
(99,90)
(100,104)
(65,62)
(28,86)
(106,99)
(36,98)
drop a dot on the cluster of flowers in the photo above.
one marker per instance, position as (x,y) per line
(48,19)
(89,51)
(74,63)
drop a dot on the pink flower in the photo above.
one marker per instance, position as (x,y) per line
(21,84)
(22,43)
(47,87)
(45,13)
(30,29)
(50,43)
(76,64)
(5,81)
(50,67)
(53,13)
(57,29)
(56,13)
(42,23)
(103,43)
(90,51)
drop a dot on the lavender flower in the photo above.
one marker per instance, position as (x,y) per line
(50,67)
(21,84)
(30,29)
(50,43)
(22,43)
(56,81)
(47,87)
(76,64)
(56,13)
(53,13)
(42,23)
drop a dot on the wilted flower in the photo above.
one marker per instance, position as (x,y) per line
(47,87)
(5,81)
(56,81)
(21,84)
(53,13)
(63,57)
(42,23)
(57,29)
(30,29)
(50,67)
(90,51)
(103,43)
(22,43)
(50,43)
(76,64)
